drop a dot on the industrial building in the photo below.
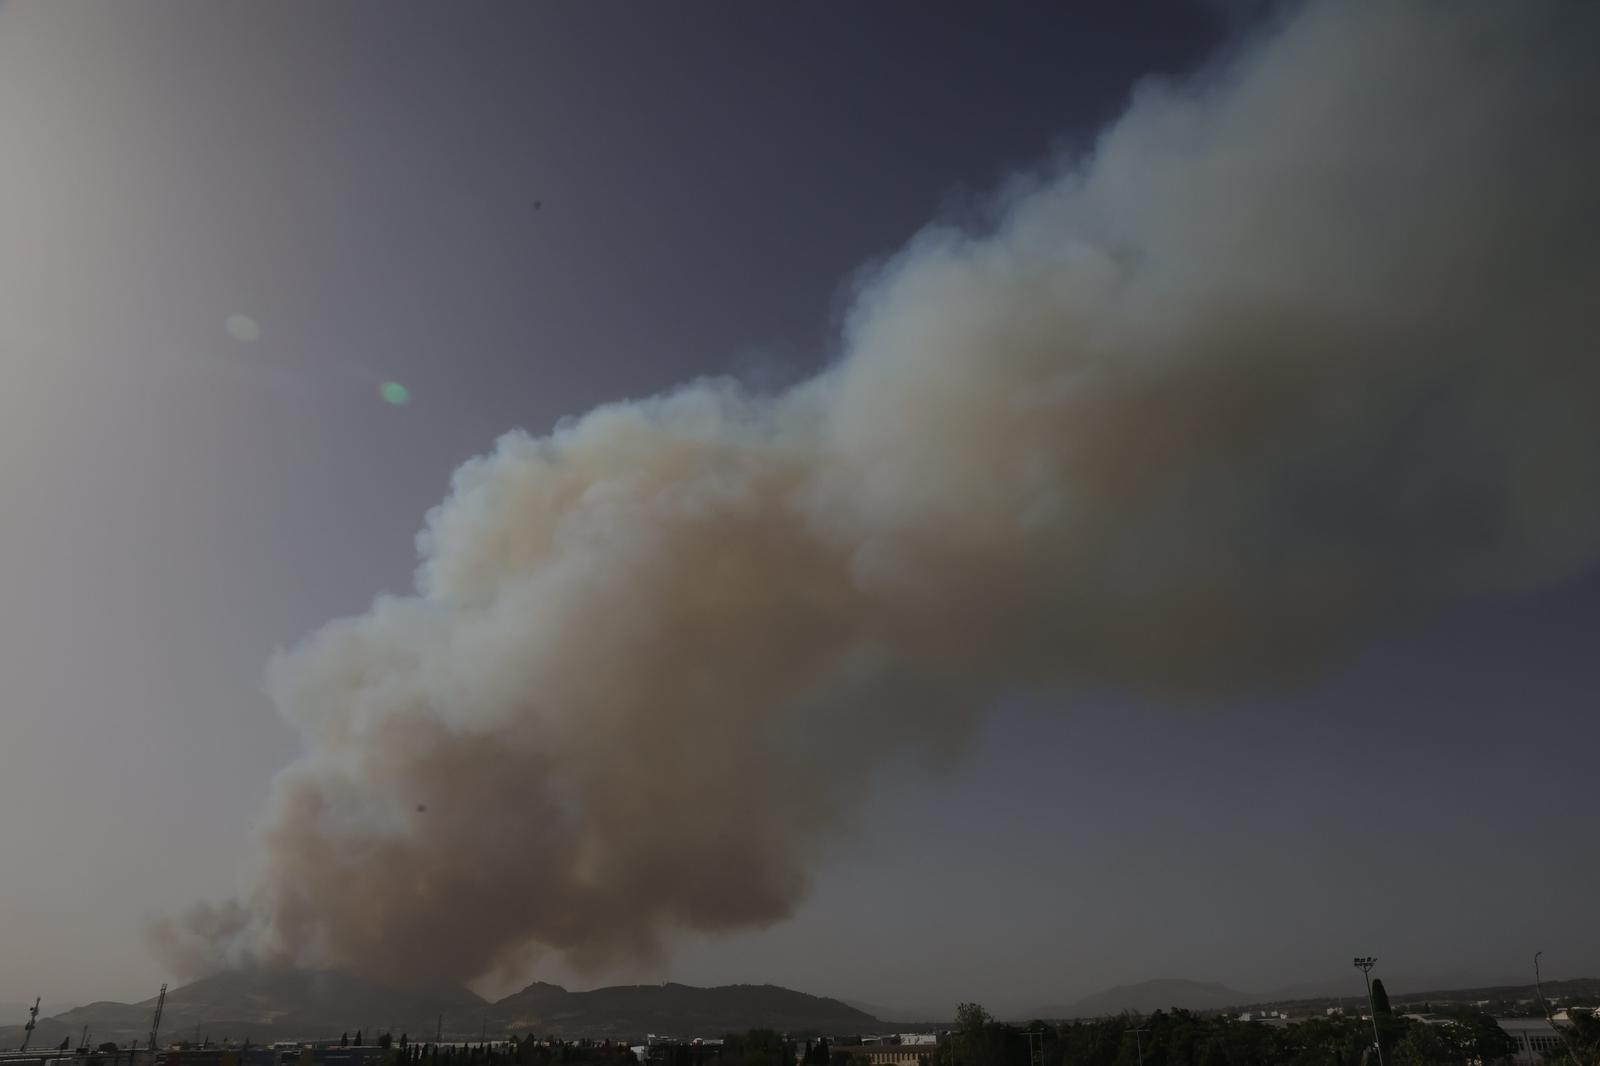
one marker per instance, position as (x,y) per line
(1534,1037)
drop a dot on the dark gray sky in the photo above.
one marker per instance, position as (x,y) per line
(523,213)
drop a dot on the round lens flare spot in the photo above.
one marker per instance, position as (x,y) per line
(394,393)
(242,328)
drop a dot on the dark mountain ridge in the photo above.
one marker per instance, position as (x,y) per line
(1143,997)
(278,1004)
(673,1009)
(265,1004)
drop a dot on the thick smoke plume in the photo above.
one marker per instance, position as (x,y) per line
(1307,344)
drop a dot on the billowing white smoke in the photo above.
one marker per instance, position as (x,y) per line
(1306,345)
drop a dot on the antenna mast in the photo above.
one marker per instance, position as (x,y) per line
(155,1023)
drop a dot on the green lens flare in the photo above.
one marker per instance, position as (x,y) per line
(242,328)
(395,393)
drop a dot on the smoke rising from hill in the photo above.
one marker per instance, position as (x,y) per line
(1305,345)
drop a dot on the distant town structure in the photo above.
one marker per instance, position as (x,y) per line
(1534,1037)
(285,1053)
(900,1049)
(884,1054)
(763,1026)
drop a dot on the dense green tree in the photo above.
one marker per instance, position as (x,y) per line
(1333,1040)
(1582,1038)
(1422,1045)
(816,1052)
(979,1040)
(971,1017)
(758,1047)
(1392,1028)
(1482,1036)
(1092,1043)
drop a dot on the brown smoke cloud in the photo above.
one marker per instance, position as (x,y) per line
(1306,345)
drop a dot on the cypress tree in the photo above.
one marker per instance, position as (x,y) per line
(1380,998)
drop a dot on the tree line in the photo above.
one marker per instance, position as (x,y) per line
(528,1051)
(1460,1036)
(1464,1037)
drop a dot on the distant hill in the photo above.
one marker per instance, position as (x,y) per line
(14,1015)
(1351,989)
(18,1012)
(283,1004)
(1353,985)
(271,1004)
(909,1015)
(1147,996)
(673,1010)
(47,1034)
(1404,991)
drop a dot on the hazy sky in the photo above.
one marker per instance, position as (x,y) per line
(524,213)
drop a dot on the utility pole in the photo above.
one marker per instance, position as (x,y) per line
(1138,1041)
(1364,963)
(1035,1051)
(155,1023)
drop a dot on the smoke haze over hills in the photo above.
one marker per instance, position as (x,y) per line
(1302,348)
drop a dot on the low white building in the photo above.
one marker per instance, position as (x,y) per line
(1534,1036)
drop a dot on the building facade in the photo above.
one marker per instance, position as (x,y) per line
(1534,1037)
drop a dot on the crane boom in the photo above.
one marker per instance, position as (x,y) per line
(27,1030)
(155,1023)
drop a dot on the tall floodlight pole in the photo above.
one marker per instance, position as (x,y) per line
(1364,963)
(1138,1041)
